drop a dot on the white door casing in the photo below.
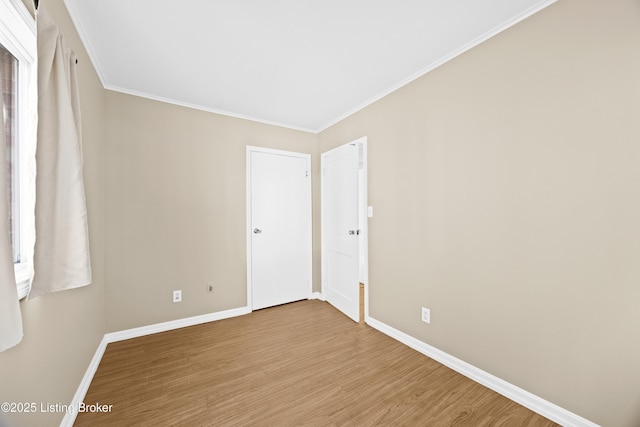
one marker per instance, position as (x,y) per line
(278,227)
(340,228)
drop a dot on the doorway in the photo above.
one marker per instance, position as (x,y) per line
(278,227)
(344,227)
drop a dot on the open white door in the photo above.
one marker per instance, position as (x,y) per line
(340,233)
(278,227)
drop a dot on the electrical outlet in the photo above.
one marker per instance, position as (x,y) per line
(426,315)
(177,296)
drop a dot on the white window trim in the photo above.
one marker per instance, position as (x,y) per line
(18,35)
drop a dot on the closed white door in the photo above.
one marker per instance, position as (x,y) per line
(340,232)
(278,227)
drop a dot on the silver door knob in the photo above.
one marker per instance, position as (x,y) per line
(257,231)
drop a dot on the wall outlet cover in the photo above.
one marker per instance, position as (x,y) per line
(426,315)
(177,296)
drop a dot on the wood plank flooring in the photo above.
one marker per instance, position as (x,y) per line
(297,364)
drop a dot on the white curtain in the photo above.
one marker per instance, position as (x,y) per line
(61,255)
(10,317)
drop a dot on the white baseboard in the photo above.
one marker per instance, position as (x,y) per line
(518,395)
(174,324)
(81,392)
(317,295)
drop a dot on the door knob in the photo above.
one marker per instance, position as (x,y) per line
(257,231)
(352,232)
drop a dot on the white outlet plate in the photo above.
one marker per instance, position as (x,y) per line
(426,315)
(177,296)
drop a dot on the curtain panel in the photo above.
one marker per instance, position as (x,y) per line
(61,255)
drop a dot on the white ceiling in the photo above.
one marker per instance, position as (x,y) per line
(304,64)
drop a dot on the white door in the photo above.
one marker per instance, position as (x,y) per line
(278,227)
(340,233)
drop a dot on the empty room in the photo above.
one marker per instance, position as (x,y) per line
(320,213)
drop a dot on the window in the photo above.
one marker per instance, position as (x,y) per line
(9,90)
(18,90)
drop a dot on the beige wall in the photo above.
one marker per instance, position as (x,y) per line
(506,199)
(175,208)
(63,330)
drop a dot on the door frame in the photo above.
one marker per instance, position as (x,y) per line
(361,143)
(308,208)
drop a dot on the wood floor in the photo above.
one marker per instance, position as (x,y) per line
(298,364)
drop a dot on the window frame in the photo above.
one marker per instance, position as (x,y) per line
(18,36)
